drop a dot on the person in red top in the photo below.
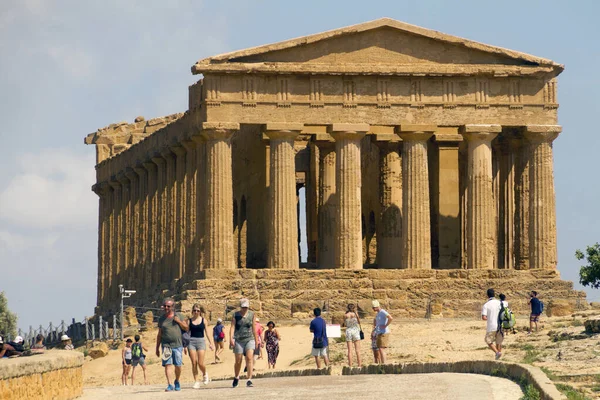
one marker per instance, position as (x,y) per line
(259,331)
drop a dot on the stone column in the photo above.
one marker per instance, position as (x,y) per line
(416,227)
(150,277)
(348,244)
(190,208)
(158,270)
(448,200)
(542,202)
(169,263)
(180,215)
(481,213)
(142,228)
(523,155)
(102,189)
(327,208)
(389,239)
(312,204)
(115,239)
(219,195)
(201,201)
(124,229)
(283,233)
(132,229)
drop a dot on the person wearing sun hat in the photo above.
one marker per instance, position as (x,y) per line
(243,340)
(65,342)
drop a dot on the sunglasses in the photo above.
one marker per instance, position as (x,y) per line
(195,310)
(166,306)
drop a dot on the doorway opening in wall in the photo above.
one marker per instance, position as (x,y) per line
(302,235)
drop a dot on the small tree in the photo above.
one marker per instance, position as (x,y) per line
(8,320)
(589,275)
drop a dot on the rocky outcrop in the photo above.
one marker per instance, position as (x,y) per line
(99,350)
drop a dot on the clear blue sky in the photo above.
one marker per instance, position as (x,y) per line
(70,67)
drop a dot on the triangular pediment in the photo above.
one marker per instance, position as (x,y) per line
(384,41)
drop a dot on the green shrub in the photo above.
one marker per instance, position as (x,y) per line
(531,393)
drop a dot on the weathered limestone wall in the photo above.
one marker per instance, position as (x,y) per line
(53,375)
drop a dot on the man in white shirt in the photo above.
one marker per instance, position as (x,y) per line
(489,313)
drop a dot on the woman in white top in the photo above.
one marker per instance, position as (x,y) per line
(352,324)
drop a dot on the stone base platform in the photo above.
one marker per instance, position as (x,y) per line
(289,294)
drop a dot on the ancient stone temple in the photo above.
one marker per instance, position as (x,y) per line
(425,159)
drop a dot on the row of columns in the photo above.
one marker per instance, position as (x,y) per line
(175,208)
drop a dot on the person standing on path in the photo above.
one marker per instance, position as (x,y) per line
(352,324)
(169,338)
(271,340)
(536,311)
(127,356)
(382,320)
(243,340)
(490,313)
(197,347)
(259,334)
(318,327)
(219,338)
(138,358)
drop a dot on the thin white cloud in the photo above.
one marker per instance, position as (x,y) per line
(50,189)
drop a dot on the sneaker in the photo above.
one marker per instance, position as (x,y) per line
(498,355)
(249,384)
(235,382)
(206,380)
(196,385)
(169,388)
(177,386)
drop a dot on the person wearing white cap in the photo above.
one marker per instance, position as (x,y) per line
(65,342)
(243,340)
(219,338)
(382,320)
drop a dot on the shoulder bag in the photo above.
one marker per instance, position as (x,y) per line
(362,334)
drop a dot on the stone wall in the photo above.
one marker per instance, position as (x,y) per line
(53,375)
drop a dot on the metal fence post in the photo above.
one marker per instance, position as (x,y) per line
(31,336)
(106,330)
(62,327)
(51,333)
(100,326)
(115,327)
(87,329)
(93,332)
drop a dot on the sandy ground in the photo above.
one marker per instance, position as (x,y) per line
(418,386)
(572,358)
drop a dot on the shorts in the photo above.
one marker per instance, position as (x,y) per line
(128,362)
(383,340)
(139,361)
(352,335)
(197,343)
(176,358)
(322,352)
(494,337)
(534,317)
(243,347)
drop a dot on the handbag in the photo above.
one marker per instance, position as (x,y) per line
(362,334)
(318,342)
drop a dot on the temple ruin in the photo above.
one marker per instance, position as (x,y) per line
(425,159)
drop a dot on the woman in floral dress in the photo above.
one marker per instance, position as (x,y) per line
(271,340)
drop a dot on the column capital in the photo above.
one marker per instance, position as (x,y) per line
(541,133)
(219,130)
(391,144)
(189,144)
(114,183)
(167,153)
(283,131)
(343,130)
(122,178)
(158,159)
(101,188)
(482,132)
(140,170)
(415,136)
(149,165)
(447,137)
(130,174)
(178,149)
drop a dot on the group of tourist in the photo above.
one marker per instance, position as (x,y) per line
(16,347)
(354,334)
(496,313)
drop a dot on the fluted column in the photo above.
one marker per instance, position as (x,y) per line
(219,195)
(523,156)
(124,229)
(348,248)
(132,229)
(389,238)
(180,215)
(115,229)
(150,277)
(169,263)
(283,232)
(542,202)
(142,228)
(190,208)
(416,223)
(201,201)
(158,270)
(102,189)
(481,217)
(327,208)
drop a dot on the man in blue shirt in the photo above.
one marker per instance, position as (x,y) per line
(536,311)
(318,327)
